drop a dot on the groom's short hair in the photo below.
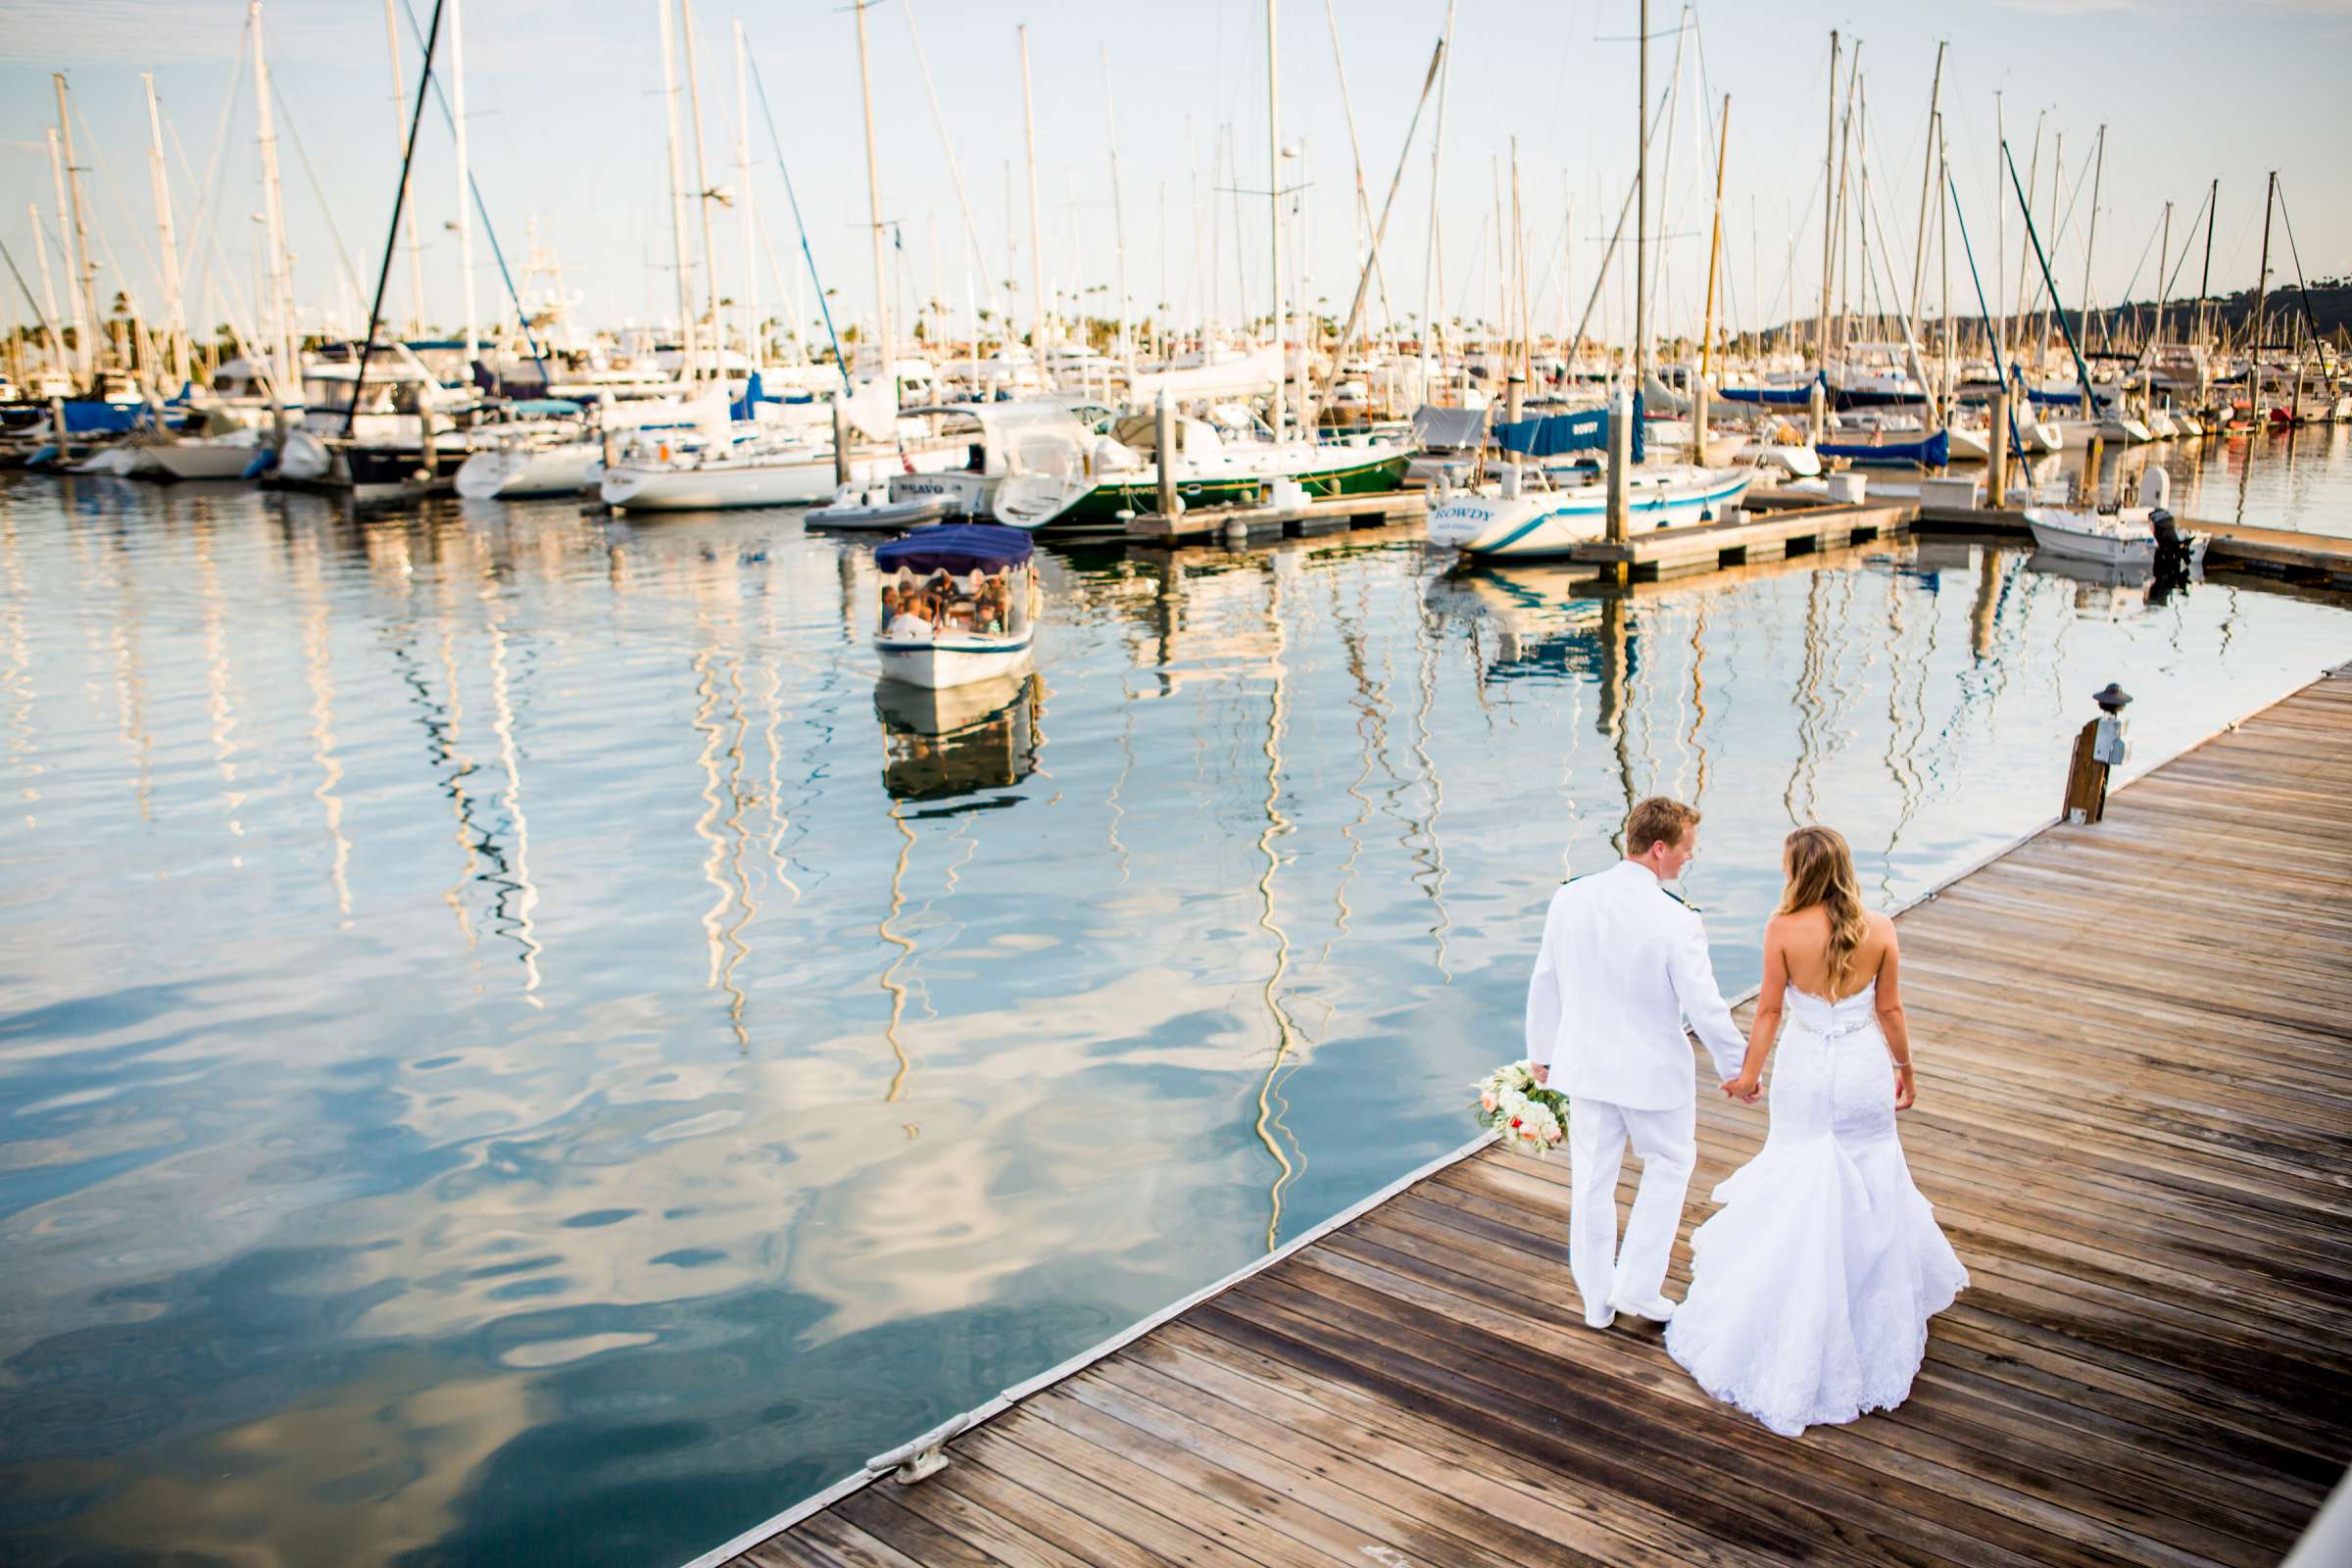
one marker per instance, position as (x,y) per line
(1660,819)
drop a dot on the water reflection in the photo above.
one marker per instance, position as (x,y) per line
(514,1046)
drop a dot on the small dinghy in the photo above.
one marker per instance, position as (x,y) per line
(856,505)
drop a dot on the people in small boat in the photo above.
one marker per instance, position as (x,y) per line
(906,617)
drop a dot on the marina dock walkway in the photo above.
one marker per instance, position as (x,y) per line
(2134,1123)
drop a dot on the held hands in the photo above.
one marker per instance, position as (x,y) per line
(1543,1073)
(1742,1089)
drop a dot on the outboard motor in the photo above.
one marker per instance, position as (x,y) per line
(2172,551)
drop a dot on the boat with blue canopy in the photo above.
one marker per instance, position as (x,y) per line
(959,604)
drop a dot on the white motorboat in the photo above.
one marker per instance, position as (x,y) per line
(2117,536)
(1553,521)
(1025,464)
(959,605)
(215,456)
(510,471)
(870,506)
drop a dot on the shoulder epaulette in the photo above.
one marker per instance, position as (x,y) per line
(1679,899)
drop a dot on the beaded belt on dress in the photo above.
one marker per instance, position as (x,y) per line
(1837,1027)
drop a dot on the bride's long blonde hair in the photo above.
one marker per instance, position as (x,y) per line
(1821,871)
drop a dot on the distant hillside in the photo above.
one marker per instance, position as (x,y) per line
(2330,315)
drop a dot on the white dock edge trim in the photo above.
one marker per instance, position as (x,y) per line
(956,1426)
(883,1463)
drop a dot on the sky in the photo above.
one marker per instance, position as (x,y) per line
(564,119)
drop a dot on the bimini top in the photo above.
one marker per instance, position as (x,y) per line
(955,546)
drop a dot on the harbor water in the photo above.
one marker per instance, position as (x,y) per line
(513,1049)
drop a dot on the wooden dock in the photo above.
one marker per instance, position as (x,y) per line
(1333,514)
(2134,1123)
(1767,532)
(2315,559)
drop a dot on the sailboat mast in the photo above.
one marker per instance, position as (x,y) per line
(281,291)
(873,202)
(1706,336)
(74,297)
(1118,217)
(1431,305)
(400,140)
(1943,254)
(40,254)
(2164,249)
(701,190)
(1641,208)
(748,211)
(456,109)
(174,311)
(2262,296)
(1037,243)
(2099,169)
(1282,348)
(688,361)
(1829,218)
(1926,179)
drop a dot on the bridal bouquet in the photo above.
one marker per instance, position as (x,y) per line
(1532,1118)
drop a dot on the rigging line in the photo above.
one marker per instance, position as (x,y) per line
(399,200)
(2302,289)
(1984,314)
(473,187)
(206,188)
(2081,369)
(768,115)
(302,155)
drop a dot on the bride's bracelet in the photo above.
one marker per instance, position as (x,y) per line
(1902,1062)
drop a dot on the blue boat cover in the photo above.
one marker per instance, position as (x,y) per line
(955,546)
(1935,452)
(1789,396)
(89,415)
(1555,435)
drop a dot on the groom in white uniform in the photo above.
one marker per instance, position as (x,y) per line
(1623,963)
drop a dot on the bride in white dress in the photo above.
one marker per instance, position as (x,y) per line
(1811,1289)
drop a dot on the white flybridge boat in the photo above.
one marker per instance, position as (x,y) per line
(1513,520)
(959,604)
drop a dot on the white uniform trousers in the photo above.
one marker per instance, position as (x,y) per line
(1666,1142)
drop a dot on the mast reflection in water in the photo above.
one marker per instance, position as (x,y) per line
(514,1048)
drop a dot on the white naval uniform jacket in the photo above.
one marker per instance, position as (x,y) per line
(1623,962)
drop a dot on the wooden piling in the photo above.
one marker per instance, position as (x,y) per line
(1998,490)
(1621,457)
(1164,430)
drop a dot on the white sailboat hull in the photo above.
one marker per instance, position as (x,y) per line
(204,459)
(506,475)
(751,481)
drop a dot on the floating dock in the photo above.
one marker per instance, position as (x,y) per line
(2318,559)
(1256,525)
(2135,1122)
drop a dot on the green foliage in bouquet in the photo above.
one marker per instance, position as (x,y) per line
(1532,1118)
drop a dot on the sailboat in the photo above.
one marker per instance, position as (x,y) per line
(1512,517)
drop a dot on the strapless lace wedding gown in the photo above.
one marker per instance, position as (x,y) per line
(1812,1287)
